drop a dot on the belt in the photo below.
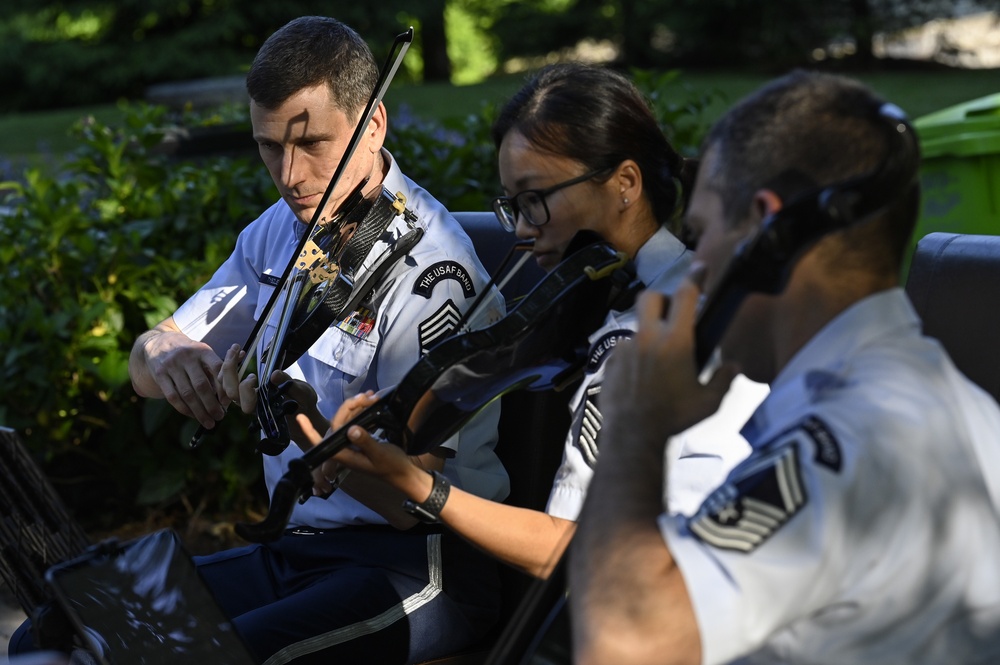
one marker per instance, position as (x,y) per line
(421,528)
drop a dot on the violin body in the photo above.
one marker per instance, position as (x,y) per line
(328,284)
(332,261)
(540,345)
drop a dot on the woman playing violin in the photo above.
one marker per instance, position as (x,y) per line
(578,149)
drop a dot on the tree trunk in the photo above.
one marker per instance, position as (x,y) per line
(437,65)
(863,29)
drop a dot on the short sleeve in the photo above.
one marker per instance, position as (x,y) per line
(752,554)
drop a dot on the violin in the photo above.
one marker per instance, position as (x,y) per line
(303,290)
(539,345)
(328,284)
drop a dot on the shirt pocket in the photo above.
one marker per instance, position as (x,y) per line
(343,352)
(335,350)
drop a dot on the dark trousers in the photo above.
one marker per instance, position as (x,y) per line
(356,595)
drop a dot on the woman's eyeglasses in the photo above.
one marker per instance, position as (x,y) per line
(530,203)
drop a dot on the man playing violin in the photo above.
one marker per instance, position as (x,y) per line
(343,585)
(863,527)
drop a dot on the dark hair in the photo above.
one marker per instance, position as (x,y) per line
(597,117)
(824,128)
(308,51)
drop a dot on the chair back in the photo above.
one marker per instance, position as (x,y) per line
(954,284)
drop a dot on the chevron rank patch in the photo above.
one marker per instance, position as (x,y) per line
(438,325)
(590,422)
(748,509)
(442,270)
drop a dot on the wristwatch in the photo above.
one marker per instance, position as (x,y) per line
(430,510)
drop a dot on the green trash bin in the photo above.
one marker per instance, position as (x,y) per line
(960,175)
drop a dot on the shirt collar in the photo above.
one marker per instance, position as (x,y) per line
(658,255)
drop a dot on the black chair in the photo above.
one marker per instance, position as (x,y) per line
(532,427)
(954,284)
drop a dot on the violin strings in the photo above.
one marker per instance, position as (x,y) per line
(462,325)
(517,266)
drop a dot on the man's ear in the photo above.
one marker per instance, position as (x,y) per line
(377,127)
(766,202)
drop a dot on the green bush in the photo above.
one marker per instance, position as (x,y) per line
(105,246)
(454,159)
(94,254)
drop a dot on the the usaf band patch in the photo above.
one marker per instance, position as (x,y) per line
(827,449)
(444,270)
(439,325)
(600,349)
(744,512)
(270,280)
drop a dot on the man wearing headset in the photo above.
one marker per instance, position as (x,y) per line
(863,528)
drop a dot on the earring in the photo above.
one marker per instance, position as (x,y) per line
(625,201)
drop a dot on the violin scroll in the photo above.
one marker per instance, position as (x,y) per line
(273,405)
(296,483)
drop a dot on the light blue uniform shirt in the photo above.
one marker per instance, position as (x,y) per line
(429,288)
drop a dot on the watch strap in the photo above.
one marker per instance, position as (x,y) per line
(430,510)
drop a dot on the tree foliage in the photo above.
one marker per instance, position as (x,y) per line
(78,52)
(75,52)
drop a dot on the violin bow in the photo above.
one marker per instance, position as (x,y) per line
(400,46)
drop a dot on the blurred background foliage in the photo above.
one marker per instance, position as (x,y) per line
(72,52)
(102,237)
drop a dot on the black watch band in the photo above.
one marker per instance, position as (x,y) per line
(430,510)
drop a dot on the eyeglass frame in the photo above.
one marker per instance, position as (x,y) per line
(510,224)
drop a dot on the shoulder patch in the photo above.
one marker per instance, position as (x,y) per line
(599,349)
(270,280)
(438,325)
(827,448)
(587,423)
(429,278)
(746,511)
(819,383)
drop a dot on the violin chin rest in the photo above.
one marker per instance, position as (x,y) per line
(271,447)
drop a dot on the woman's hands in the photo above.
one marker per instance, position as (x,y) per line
(244,394)
(379,459)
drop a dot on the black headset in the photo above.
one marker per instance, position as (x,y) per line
(764,262)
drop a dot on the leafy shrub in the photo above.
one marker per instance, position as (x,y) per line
(454,159)
(95,254)
(680,112)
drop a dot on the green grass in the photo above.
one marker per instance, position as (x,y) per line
(31,135)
